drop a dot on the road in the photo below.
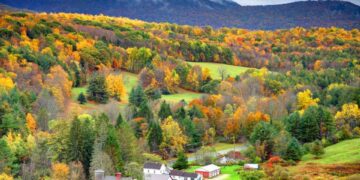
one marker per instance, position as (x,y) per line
(191,157)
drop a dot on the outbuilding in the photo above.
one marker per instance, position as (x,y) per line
(251,166)
(208,171)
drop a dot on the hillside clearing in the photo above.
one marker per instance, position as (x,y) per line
(343,152)
(214,69)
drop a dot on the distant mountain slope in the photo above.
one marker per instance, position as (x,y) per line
(216,13)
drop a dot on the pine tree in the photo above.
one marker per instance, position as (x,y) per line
(82,98)
(154,137)
(164,111)
(181,162)
(145,111)
(195,112)
(137,96)
(7,158)
(309,126)
(97,89)
(119,120)
(293,150)
(80,144)
(180,113)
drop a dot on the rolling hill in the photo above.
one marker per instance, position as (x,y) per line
(216,13)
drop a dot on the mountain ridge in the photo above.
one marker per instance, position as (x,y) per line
(216,13)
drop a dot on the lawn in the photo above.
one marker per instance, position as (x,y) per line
(76,91)
(213,67)
(343,152)
(188,96)
(231,170)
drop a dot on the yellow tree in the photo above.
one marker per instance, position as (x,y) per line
(6,83)
(115,86)
(60,171)
(172,80)
(173,137)
(304,100)
(349,115)
(30,123)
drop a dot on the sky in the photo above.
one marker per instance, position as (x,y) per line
(267,2)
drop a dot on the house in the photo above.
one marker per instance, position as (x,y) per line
(181,175)
(155,168)
(251,166)
(156,171)
(208,171)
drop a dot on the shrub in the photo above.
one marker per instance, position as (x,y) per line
(317,149)
(251,175)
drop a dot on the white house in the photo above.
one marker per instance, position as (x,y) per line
(155,168)
(155,171)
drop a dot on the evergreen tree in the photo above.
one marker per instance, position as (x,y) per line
(263,135)
(309,126)
(292,123)
(195,112)
(144,111)
(165,111)
(154,137)
(81,141)
(7,158)
(293,150)
(97,89)
(137,96)
(180,113)
(191,131)
(82,98)
(128,145)
(119,120)
(181,161)
(317,148)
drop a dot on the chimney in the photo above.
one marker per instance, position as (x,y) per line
(99,174)
(118,175)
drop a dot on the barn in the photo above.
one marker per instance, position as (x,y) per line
(208,171)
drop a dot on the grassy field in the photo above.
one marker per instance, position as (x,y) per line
(76,91)
(213,67)
(344,152)
(230,170)
(188,96)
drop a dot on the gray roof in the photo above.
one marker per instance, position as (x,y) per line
(152,165)
(156,177)
(183,174)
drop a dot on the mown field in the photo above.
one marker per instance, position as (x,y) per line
(347,151)
(214,69)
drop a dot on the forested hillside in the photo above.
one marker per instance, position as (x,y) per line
(216,13)
(286,92)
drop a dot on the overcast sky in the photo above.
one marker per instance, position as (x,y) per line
(267,2)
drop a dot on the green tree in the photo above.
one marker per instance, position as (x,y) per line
(81,98)
(97,89)
(81,141)
(128,145)
(181,161)
(317,148)
(164,111)
(293,150)
(263,137)
(119,120)
(154,136)
(137,96)
(7,158)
